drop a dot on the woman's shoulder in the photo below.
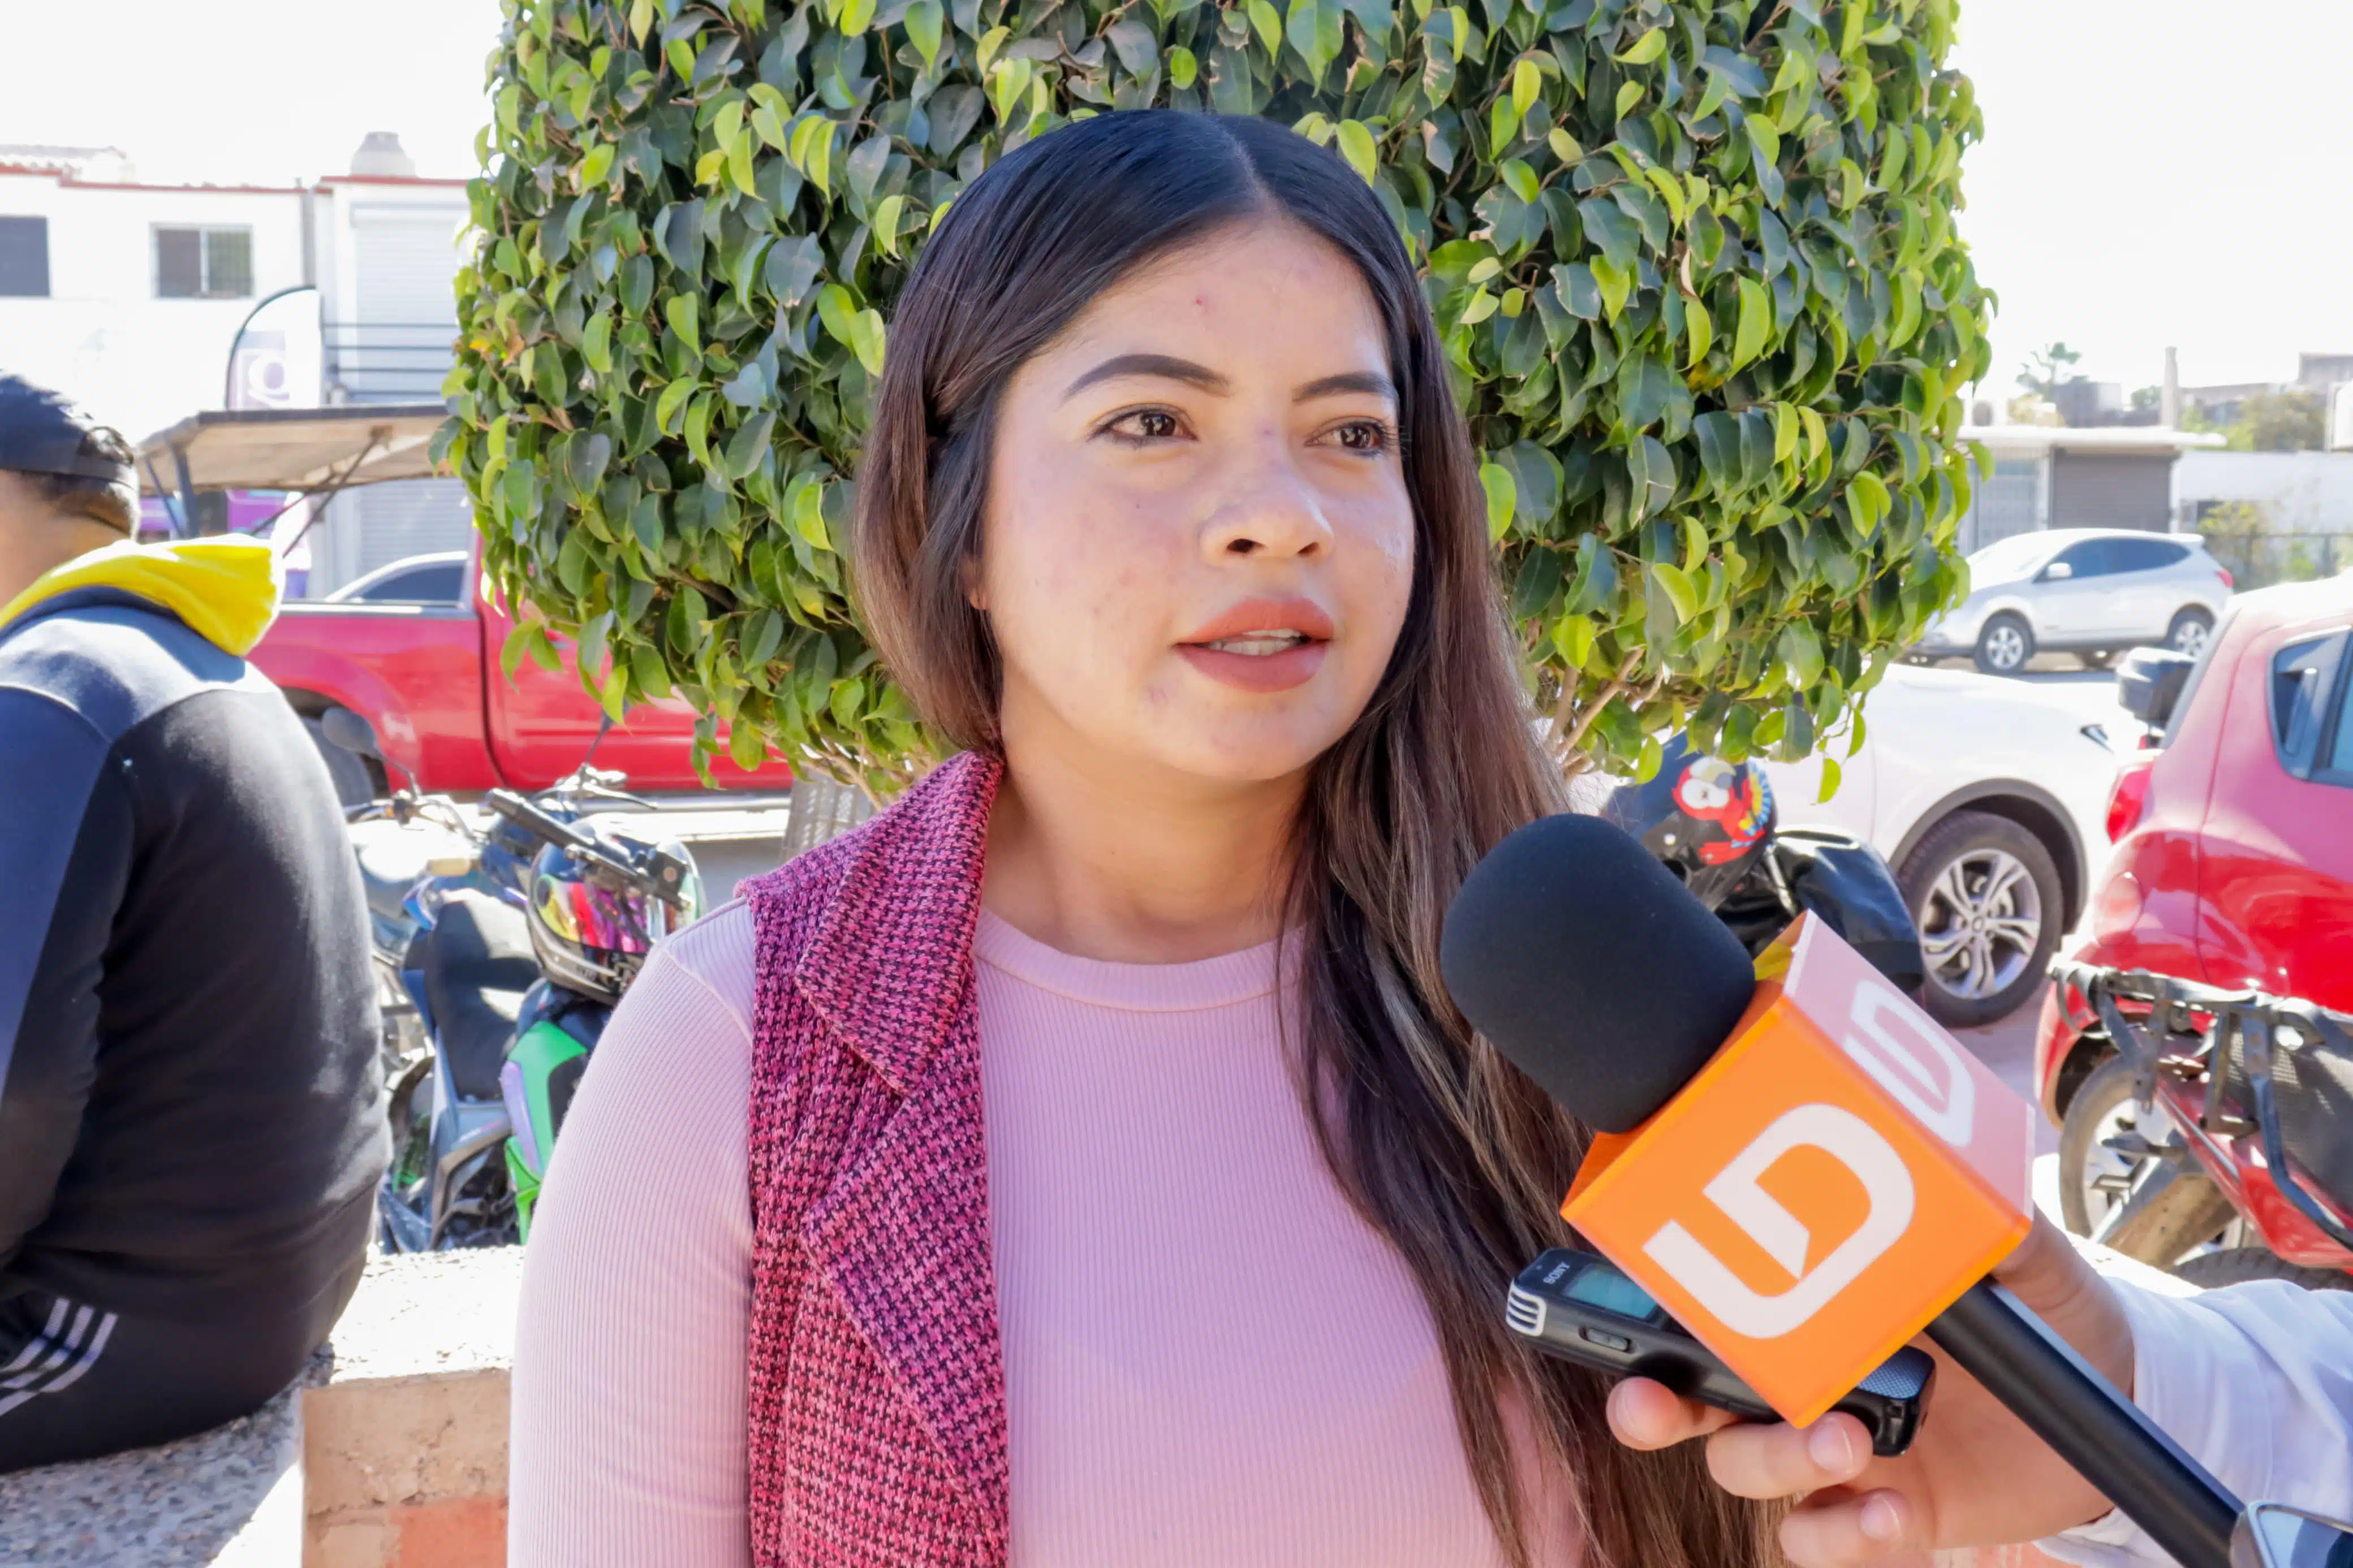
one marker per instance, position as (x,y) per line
(718,954)
(888,866)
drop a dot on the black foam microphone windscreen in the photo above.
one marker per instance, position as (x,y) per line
(1589,966)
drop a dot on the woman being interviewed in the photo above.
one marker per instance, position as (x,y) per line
(1081,1163)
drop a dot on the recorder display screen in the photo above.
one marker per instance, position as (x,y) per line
(1612,1292)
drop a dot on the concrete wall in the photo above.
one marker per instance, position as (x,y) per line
(404,1444)
(2301,493)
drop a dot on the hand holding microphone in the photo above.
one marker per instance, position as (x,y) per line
(1794,1161)
(1975,1476)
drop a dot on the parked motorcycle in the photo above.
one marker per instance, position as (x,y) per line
(1713,823)
(508,944)
(2217,1140)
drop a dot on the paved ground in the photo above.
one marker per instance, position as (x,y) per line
(2097,689)
(2008,1047)
(727,861)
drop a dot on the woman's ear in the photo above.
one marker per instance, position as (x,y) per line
(968,577)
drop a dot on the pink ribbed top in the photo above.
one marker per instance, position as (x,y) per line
(1209,1357)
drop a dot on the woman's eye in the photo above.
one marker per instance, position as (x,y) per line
(1146,425)
(1362,435)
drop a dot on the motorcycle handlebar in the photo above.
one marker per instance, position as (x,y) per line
(527,816)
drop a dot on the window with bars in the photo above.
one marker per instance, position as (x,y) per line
(203,263)
(24,258)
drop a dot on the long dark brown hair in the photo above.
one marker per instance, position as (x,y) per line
(1444,1147)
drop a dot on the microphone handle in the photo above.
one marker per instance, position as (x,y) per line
(2107,1439)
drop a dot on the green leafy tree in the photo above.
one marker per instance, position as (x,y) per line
(1694,261)
(2047,368)
(2293,419)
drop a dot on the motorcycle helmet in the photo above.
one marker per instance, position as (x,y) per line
(1706,818)
(590,929)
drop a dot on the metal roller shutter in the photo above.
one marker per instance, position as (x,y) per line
(405,266)
(2106,489)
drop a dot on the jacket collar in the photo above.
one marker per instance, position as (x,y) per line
(889,962)
(902,1230)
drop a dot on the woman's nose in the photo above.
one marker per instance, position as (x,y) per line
(1273,511)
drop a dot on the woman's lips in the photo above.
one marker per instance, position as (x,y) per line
(1242,648)
(1257,672)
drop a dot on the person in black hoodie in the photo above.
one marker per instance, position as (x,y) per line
(191,1106)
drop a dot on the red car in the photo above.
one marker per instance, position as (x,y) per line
(413,650)
(2232,869)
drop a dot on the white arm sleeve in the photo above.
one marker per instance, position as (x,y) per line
(628,1443)
(2255,1382)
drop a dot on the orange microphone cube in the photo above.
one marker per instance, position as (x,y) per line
(1832,1179)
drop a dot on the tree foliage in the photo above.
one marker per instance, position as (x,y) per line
(2046,368)
(2293,419)
(1693,263)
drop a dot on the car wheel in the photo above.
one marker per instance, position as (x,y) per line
(2188,632)
(354,786)
(2096,657)
(2004,646)
(2238,1263)
(1987,897)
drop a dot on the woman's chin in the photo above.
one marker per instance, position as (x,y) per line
(1233,749)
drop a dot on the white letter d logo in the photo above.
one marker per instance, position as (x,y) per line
(1852,1142)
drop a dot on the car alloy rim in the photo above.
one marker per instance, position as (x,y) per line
(2005,648)
(2190,639)
(1981,923)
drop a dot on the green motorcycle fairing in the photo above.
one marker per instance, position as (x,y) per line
(543,1069)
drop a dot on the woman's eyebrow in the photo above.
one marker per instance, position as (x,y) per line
(1370,383)
(1165,367)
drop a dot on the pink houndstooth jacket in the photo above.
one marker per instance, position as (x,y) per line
(876,1379)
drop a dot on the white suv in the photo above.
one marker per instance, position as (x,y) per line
(2089,591)
(1988,799)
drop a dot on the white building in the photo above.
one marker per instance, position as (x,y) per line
(2112,476)
(2299,492)
(129,297)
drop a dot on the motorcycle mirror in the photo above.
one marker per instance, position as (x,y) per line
(2274,1535)
(343,728)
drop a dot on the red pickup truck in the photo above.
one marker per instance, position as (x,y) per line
(413,648)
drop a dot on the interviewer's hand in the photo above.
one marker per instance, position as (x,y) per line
(1975,1476)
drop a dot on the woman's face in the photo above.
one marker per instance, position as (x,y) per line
(1197,546)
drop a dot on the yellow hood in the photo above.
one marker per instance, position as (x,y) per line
(226,590)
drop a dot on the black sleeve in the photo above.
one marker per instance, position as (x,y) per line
(65,860)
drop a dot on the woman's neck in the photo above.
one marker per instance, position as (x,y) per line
(1108,859)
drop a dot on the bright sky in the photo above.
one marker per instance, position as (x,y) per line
(2154,171)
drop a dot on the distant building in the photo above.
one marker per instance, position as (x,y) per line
(129,297)
(2083,403)
(2222,404)
(2048,477)
(2298,492)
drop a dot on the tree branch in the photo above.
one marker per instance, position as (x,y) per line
(1573,739)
